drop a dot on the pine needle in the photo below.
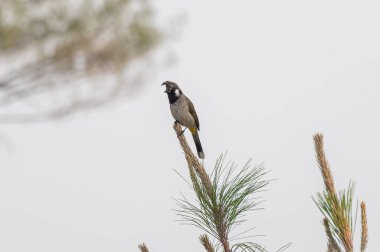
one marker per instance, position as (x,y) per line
(223,198)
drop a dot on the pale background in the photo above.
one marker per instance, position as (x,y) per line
(264,77)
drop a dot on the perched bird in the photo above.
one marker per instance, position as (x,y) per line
(183,112)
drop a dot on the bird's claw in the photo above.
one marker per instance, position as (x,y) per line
(182,131)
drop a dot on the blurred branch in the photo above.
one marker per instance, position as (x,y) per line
(143,248)
(80,55)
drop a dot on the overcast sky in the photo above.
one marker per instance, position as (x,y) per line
(264,77)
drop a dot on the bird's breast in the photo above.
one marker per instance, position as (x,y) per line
(181,113)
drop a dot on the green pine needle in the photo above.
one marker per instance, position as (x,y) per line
(218,212)
(337,209)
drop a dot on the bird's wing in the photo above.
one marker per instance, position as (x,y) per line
(193,112)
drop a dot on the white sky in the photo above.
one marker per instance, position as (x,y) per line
(264,77)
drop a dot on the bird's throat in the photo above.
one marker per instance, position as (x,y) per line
(172,98)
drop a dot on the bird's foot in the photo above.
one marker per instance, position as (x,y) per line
(182,131)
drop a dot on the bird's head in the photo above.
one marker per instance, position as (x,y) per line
(173,90)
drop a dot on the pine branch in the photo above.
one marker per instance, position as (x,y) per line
(324,164)
(143,247)
(336,208)
(332,245)
(223,198)
(206,243)
(364,238)
(192,160)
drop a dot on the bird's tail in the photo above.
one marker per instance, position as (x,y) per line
(198,145)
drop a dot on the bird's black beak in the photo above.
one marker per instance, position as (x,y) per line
(165,85)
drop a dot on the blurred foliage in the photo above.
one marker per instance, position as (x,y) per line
(58,57)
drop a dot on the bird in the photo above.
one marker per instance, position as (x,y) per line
(184,113)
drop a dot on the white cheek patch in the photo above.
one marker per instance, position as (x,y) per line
(176,92)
